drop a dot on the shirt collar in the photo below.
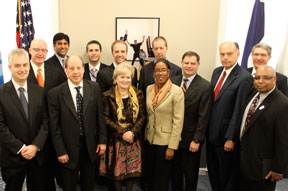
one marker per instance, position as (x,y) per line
(35,67)
(17,86)
(97,67)
(190,79)
(72,86)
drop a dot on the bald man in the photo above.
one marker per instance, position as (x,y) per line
(263,135)
(232,86)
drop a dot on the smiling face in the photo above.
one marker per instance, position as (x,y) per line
(94,53)
(61,47)
(190,66)
(19,68)
(161,73)
(119,53)
(260,57)
(74,70)
(38,51)
(124,80)
(265,79)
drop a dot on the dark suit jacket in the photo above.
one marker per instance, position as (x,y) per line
(52,77)
(198,102)
(264,144)
(105,78)
(64,123)
(16,129)
(228,104)
(57,65)
(87,71)
(281,81)
(147,78)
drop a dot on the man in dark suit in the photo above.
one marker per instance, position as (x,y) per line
(232,85)
(198,102)
(261,54)
(93,51)
(119,52)
(23,127)
(48,77)
(61,43)
(159,48)
(263,133)
(77,126)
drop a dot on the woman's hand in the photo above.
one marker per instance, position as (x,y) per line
(169,154)
(128,137)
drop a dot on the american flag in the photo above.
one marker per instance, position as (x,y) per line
(24,24)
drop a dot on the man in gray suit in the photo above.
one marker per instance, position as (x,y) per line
(232,85)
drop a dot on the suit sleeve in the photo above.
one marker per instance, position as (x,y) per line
(102,131)
(244,90)
(205,106)
(142,81)
(101,81)
(135,78)
(54,116)
(283,87)
(178,119)
(140,123)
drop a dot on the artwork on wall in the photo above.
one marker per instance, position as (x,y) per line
(134,28)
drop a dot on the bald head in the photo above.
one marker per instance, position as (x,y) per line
(265,79)
(229,53)
(38,51)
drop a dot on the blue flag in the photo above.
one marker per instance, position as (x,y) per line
(256,30)
(1,71)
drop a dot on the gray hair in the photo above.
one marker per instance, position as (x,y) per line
(263,46)
(19,52)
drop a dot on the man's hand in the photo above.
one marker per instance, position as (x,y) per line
(229,145)
(29,152)
(274,176)
(101,148)
(63,159)
(169,154)
(194,147)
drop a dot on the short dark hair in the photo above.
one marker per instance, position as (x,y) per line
(159,38)
(191,53)
(60,36)
(163,60)
(94,42)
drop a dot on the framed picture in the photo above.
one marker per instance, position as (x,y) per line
(134,28)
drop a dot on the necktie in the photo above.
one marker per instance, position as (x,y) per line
(250,112)
(93,74)
(23,101)
(219,85)
(79,103)
(63,62)
(184,87)
(40,78)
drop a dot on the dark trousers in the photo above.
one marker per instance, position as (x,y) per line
(185,163)
(223,168)
(86,168)
(249,185)
(160,168)
(136,55)
(14,177)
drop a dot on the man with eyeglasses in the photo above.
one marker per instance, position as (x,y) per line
(48,77)
(262,135)
(232,86)
(261,54)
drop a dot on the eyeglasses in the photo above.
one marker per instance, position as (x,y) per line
(37,50)
(265,78)
(162,71)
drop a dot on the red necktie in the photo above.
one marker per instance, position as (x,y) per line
(184,87)
(218,87)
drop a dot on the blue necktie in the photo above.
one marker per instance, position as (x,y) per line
(24,101)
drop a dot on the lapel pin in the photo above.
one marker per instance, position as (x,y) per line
(261,107)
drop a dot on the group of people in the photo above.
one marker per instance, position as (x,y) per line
(61,117)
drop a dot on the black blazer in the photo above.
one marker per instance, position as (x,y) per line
(64,123)
(281,81)
(105,78)
(264,144)
(52,77)
(198,102)
(58,66)
(228,104)
(87,71)
(147,78)
(16,129)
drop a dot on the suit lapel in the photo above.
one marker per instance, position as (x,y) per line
(86,95)
(193,86)
(32,97)
(232,76)
(87,72)
(67,97)
(167,95)
(14,96)
(32,76)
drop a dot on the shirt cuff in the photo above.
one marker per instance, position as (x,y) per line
(21,149)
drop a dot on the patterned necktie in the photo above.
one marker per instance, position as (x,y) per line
(250,112)
(93,74)
(184,86)
(40,78)
(219,85)
(79,103)
(23,101)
